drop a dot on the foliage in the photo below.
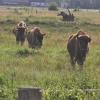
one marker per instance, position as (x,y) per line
(4,94)
(76,9)
(53,6)
(23,52)
(86,4)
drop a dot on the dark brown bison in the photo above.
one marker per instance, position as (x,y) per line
(19,32)
(78,47)
(35,38)
(67,17)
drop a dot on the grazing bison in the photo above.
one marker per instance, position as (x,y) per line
(35,38)
(67,17)
(19,32)
(78,47)
(64,15)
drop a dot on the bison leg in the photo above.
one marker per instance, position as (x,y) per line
(22,43)
(81,67)
(73,62)
(22,40)
(17,42)
(80,63)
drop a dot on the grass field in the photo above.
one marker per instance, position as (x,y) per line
(48,68)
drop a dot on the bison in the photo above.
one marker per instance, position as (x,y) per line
(35,38)
(67,17)
(19,32)
(77,47)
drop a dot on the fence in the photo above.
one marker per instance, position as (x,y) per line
(36,94)
(29,94)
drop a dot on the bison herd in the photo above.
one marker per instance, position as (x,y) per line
(34,36)
(77,44)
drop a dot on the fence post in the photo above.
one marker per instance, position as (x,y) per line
(29,94)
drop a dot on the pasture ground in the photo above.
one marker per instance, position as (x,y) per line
(49,67)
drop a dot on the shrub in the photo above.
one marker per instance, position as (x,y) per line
(76,9)
(23,52)
(3,88)
(53,6)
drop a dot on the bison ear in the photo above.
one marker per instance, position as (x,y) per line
(89,39)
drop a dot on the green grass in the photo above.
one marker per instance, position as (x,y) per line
(48,68)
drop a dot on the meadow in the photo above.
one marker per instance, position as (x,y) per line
(49,67)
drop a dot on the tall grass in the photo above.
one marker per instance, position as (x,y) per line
(49,67)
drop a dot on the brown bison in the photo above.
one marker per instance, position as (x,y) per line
(19,32)
(35,38)
(67,17)
(78,47)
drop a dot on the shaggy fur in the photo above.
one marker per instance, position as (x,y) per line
(66,17)
(35,38)
(78,47)
(19,32)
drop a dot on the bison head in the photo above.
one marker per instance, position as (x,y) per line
(61,13)
(35,38)
(82,40)
(40,39)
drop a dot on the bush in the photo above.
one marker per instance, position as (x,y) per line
(76,9)
(3,88)
(53,6)
(23,52)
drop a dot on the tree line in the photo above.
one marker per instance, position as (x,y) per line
(93,4)
(86,4)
